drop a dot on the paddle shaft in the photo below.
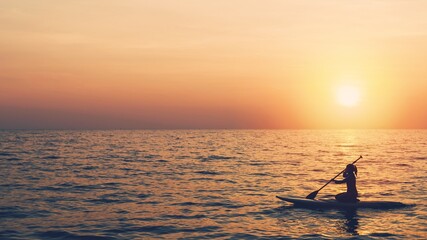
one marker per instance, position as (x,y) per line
(337,175)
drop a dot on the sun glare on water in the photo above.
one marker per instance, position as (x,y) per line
(348,96)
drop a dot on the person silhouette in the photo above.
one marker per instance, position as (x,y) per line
(350,174)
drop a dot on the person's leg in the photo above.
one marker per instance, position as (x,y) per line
(341,197)
(346,197)
(352,197)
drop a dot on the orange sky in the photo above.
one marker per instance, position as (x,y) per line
(212,64)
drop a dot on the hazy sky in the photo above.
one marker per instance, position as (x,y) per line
(212,64)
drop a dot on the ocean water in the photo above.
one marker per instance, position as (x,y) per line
(205,184)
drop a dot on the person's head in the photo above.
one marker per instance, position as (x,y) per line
(351,168)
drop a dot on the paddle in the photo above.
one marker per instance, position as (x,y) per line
(314,194)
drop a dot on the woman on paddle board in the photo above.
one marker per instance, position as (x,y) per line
(349,175)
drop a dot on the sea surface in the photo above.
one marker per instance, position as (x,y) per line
(204,184)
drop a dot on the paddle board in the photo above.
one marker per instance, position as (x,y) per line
(310,203)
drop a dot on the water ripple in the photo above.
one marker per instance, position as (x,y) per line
(68,235)
(206,184)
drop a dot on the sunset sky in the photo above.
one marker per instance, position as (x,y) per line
(136,64)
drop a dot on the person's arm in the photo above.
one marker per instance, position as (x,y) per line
(340,181)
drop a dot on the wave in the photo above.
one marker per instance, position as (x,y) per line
(386,235)
(197,216)
(143,196)
(216,157)
(208,172)
(222,204)
(7,154)
(9,234)
(69,235)
(163,229)
(51,157)
(201,179)
(347,145)
(13,212)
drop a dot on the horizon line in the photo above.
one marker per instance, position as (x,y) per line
(194,129)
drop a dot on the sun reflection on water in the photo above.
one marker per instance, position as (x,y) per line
(179,184)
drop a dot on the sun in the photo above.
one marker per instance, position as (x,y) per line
(348,96)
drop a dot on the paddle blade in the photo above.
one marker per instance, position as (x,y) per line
(312,195)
